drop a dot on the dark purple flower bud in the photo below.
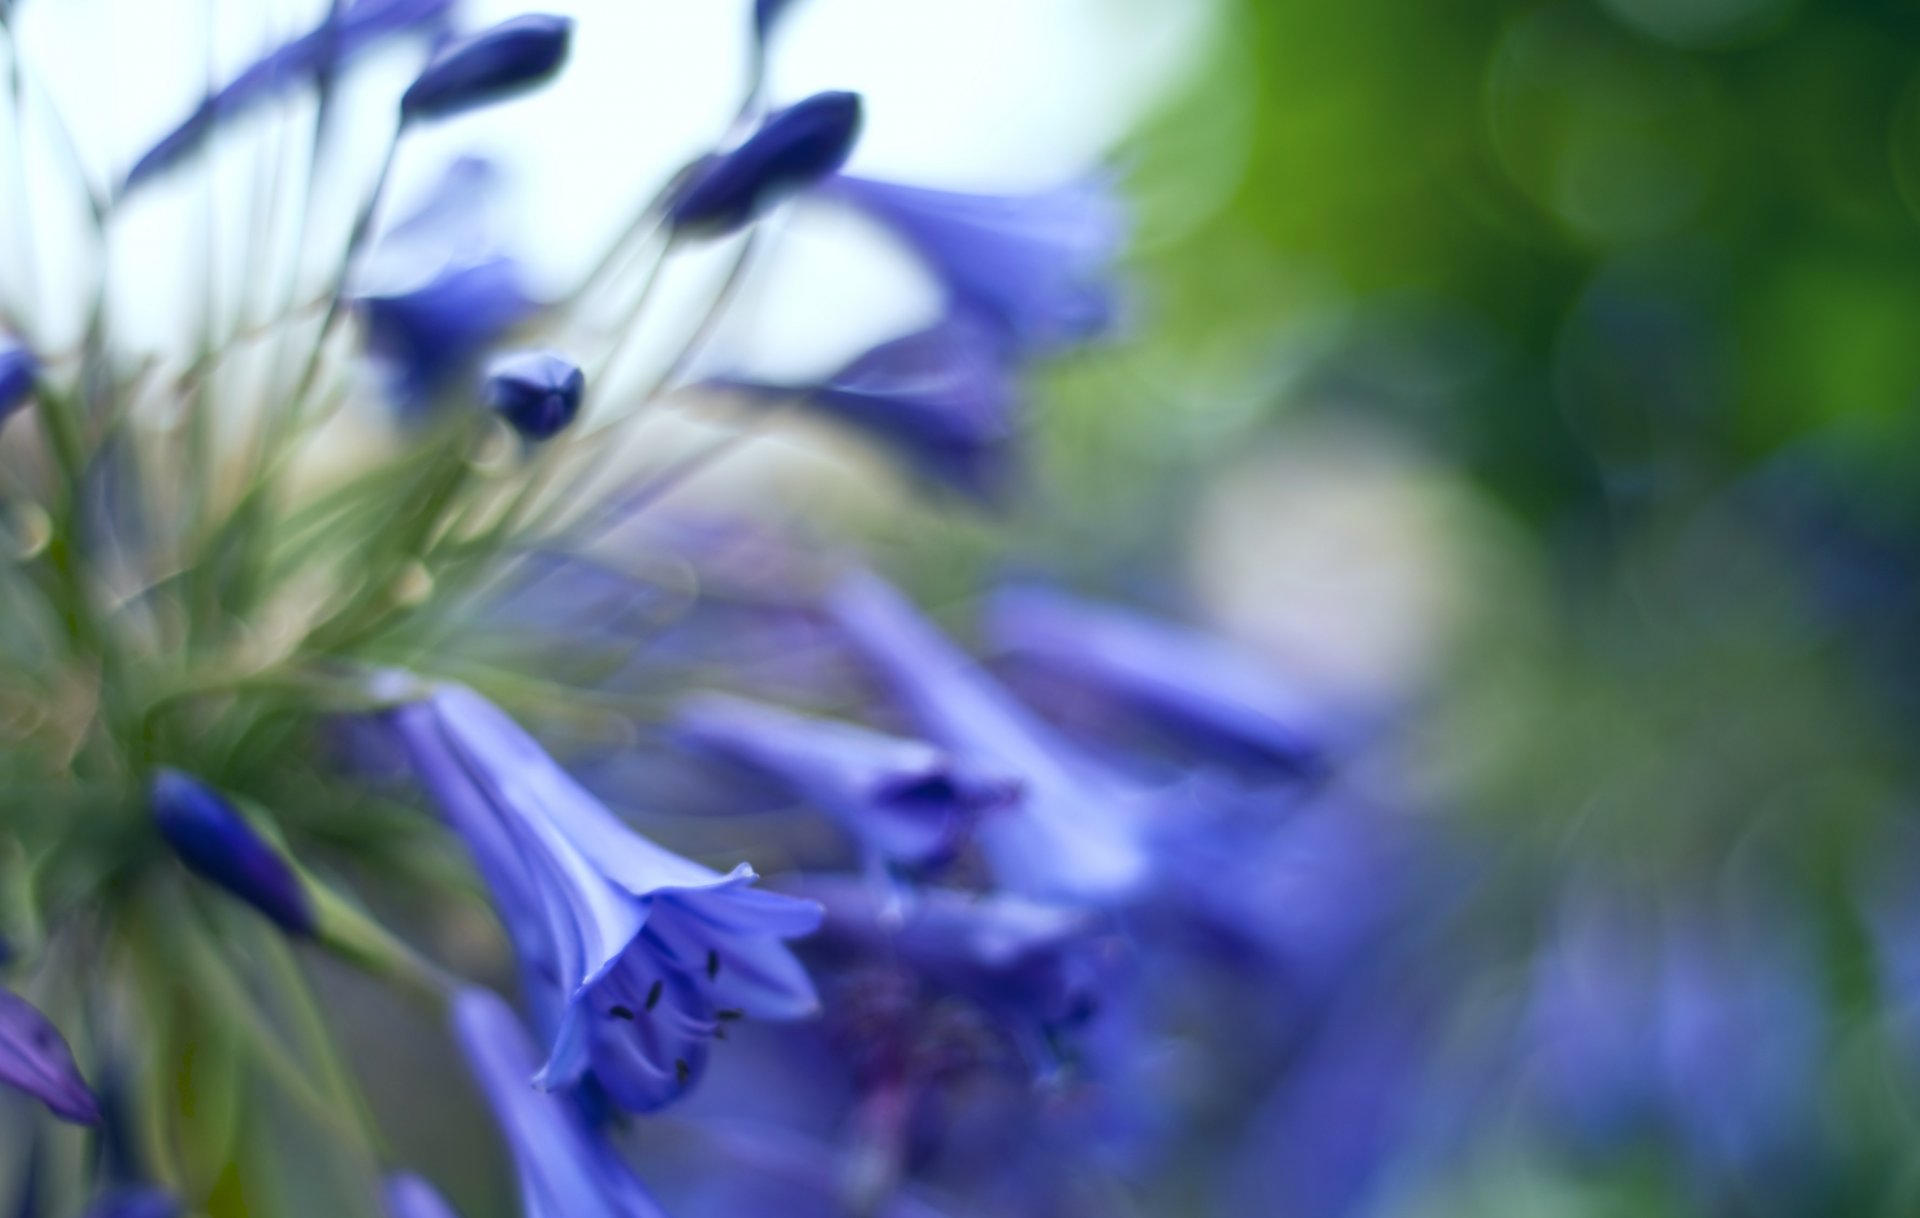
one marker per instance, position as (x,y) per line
(1123,673)
(565,1170)
(426,337)
(34,1058)
(409,1196)
(536,392)
(19,371)
(218,845)
(795,148)
(136,1202)
(942,401)
(1038,267)
(904,801)
(510,58)
(349,30)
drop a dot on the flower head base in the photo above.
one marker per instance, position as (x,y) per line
(216,843)
(795,148)
(538,393)
(512,57)
(19,372)
(34,1058)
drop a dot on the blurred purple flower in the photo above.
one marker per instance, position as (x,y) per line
(1074,836)
(19,372)
(1125,670)
(426,337)
(565,1171)
(409,1196)
(1037,267)
(538,393)
(34,1058)
(792,150)
(904,801)
(217,844)
(349,30)
(136,1202)
(633,956)
(943,401)
(497,63)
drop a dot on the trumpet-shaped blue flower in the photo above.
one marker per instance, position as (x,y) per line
(426,337)
(795,148)
(633,956)
(348,31)
(34,1058)
(942,401)
(409,1196)
(565,1171)
(217,844)
(19,371)
(904,801)
(1037,267)
(537,392)
(1073,836)
(1123,671)
(138,1202)
(502,61)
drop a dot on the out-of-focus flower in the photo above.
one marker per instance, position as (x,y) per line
(633,956)
(217,844)
(904,801)
(1038,268)
(500,62)
(1124,670)
(537,392)
(942,401)
(427,336)
(19,372)
(795,148)
(349,30)
(135,1203)
(409,1196)
(1074,836)
(34,1058)
(564,1170)
(766,15)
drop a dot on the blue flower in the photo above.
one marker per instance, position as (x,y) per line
(34,1058)
(565,1171)
(537,392)
(904,801)
(1123,671)
(426,337)
(1073,836)
(138,1202)
(348,31)
(409,1196)
(795,148)
(502,61)
(943,401)
(633,956)
(1037,267)
(19,372)
(218,845)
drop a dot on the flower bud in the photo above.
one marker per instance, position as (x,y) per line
(217,844)
(793,149)
(34,1058)
(18,372)
(537,392)
(510,58)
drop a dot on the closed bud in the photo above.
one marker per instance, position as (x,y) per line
(217,844)
(510,58)
(793,149)
(537,392)
(19,370)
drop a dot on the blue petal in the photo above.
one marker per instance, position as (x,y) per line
(135,1203)
(793,149)
(34,1058)
(409,1196)
(425,338)
(499,62)
(19,371)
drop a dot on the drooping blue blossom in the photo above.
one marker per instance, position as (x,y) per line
(135,1202)
(410,1196)
(943,401)
(795,148)
(632,955)
(348,31)
(904,801)
(1074,835)
(565,1171)
(1038,268)
(217,844)
(538,393)
(1122,670)
(424,338)
(34,1058)
(497,63)
(19,372)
